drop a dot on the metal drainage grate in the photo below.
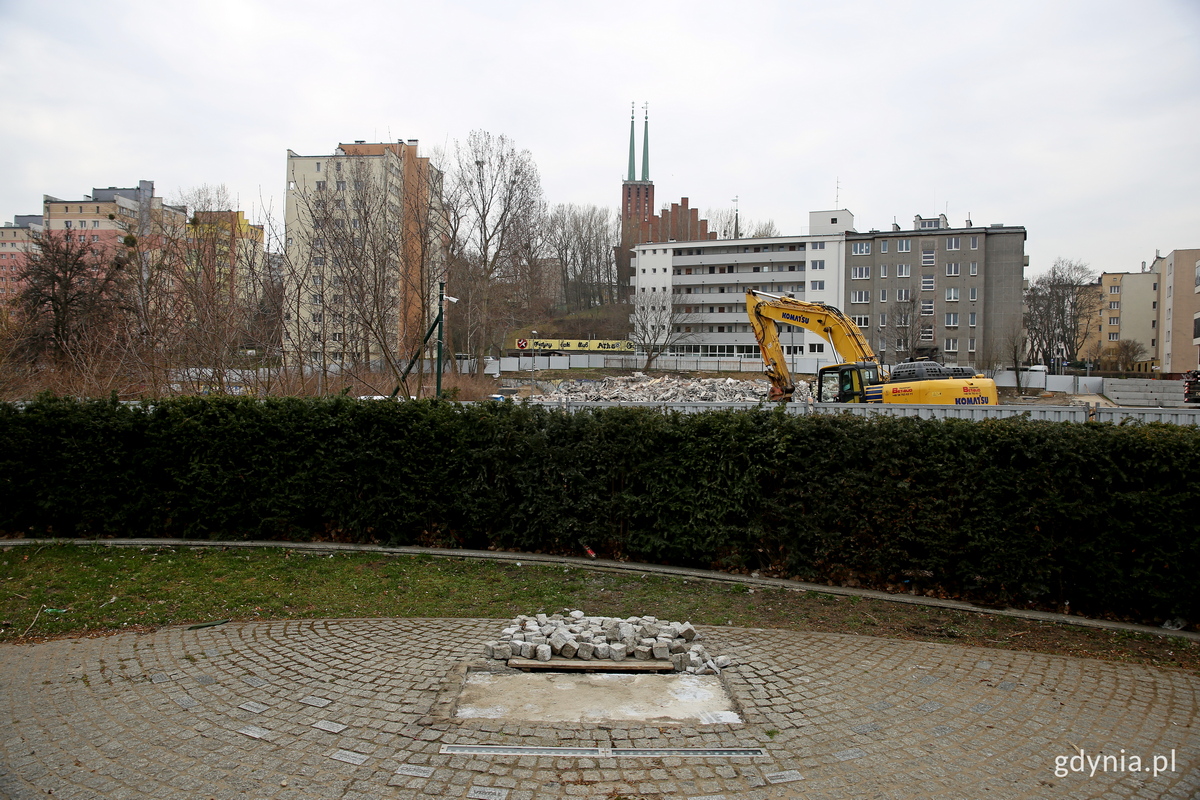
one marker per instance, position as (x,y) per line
(604,752)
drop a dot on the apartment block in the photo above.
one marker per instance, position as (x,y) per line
(16,239)
(361,261)
(706,282)
(1126,309)
(101,219)
(1179,302)
(951,294)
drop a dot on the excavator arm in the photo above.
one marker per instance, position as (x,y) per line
(768,311)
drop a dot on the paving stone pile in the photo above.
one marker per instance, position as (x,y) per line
(665,389)
(576,635)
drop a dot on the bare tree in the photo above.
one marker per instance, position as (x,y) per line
(728,225)
(493,207)
(1128,352)
(582,241)
(657,325)
(1061,310)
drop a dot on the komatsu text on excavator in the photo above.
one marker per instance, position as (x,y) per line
(860,379)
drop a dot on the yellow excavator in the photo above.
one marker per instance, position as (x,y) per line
(860,379)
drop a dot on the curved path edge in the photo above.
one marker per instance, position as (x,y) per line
(622,566)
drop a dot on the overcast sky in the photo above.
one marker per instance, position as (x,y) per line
(1078,120)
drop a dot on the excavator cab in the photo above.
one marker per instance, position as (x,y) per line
(846,383)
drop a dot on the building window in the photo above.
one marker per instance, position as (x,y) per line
(926,283)
(883,320)
(951,346)
(1114,320)
(817,285)
(860,273)
(903,271)
(926,308)
(883,270)
(817,245)
(926,333)
(883,246)
(973,293)
(817,264)
(952,270)
(316,317)
(974,246)
(1114,337)
(971,319)
(320,186)
(1114,304)
(928,258)
(901,346)
(860,297)
(953,243)
(318,166)
(816,347)
(863,322)
(883,295)
(341,185)
(904,245)
(974,267)
(903,295)
(930,223)
(952,320)
(860,249)
(952,294)
(971,345)
(1114,289)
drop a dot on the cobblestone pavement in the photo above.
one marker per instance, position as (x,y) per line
(363,708)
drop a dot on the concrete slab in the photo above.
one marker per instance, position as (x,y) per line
(595,697)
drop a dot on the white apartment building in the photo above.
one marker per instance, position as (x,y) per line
(707,282)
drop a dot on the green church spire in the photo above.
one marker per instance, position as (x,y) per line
(632,112)
(646,145)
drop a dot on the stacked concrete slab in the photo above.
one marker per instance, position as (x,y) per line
(1144,392)
(575,635)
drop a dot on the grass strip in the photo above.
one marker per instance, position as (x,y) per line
(105,590)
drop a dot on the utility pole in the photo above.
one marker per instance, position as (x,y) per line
(441,331)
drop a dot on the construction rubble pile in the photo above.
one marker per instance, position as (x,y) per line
(576,635)
(665,389)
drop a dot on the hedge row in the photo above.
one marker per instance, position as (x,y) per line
(1103,516)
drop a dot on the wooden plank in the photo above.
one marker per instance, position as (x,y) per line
(594,665)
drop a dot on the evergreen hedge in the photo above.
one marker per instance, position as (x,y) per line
(1006,511)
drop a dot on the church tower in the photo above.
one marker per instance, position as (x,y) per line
(637,196)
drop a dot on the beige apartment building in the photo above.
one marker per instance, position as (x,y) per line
(362,256)
(1179,301)
(1124,331)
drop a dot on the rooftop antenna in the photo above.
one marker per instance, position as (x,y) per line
(737,234)
(837,192)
